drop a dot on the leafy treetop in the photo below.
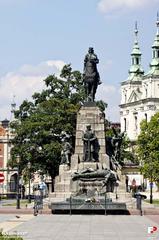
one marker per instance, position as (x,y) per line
(148,148)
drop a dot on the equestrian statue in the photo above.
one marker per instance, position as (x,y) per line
(91,76)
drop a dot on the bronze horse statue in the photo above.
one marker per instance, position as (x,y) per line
(91,76)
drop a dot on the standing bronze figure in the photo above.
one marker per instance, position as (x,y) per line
(89,141)
(66,149)
(91,76)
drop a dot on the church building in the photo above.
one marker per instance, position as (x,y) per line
(140,92)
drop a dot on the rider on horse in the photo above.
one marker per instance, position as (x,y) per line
(91,75)
(92,57)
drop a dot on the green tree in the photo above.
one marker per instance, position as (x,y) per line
(39,123)
(127,152)
(148,148)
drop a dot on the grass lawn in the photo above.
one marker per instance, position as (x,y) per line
(22,202)
(4,236)
(155,201)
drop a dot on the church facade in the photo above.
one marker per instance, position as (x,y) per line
(140,92)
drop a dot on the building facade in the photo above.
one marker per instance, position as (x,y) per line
(140,92)
(9,185)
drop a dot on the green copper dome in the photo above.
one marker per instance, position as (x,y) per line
(154,65)
(135,70)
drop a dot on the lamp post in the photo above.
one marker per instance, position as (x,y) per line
(17,187)
(7,132)
(151,185)
(116,190)
(29,196)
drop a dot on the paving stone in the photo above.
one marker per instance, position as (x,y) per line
(86,227)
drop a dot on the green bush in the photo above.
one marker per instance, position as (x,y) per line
(4,236)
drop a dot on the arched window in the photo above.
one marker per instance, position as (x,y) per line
(136,123)
(137,61)
(125,96)
(125,125)
(146,92)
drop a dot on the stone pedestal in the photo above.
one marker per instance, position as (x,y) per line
(94,117)
(92,165)
(87,115)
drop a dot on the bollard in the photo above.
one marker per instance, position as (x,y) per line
(70,205)
(105,203)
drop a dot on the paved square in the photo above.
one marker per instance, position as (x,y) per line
(87,227)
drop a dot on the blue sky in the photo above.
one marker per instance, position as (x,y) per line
(39,36)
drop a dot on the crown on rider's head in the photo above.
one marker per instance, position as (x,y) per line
(91,48)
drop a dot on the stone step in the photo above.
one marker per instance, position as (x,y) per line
(63,177)
(57,181)
(62,180)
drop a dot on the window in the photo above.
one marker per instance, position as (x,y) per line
(124,124)
(146,92)
(135,122)
(137,61)
(125,97)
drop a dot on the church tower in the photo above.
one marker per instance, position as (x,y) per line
(154,65)
(131,92)
(140,93)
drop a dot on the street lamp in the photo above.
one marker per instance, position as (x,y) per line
(29,196)
(116,190)
(17,185)
(151,185)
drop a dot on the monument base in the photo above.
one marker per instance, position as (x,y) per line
(83,205)
(65,186)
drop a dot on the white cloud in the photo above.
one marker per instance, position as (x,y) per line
(107,6)
(24,82)
(42,68)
